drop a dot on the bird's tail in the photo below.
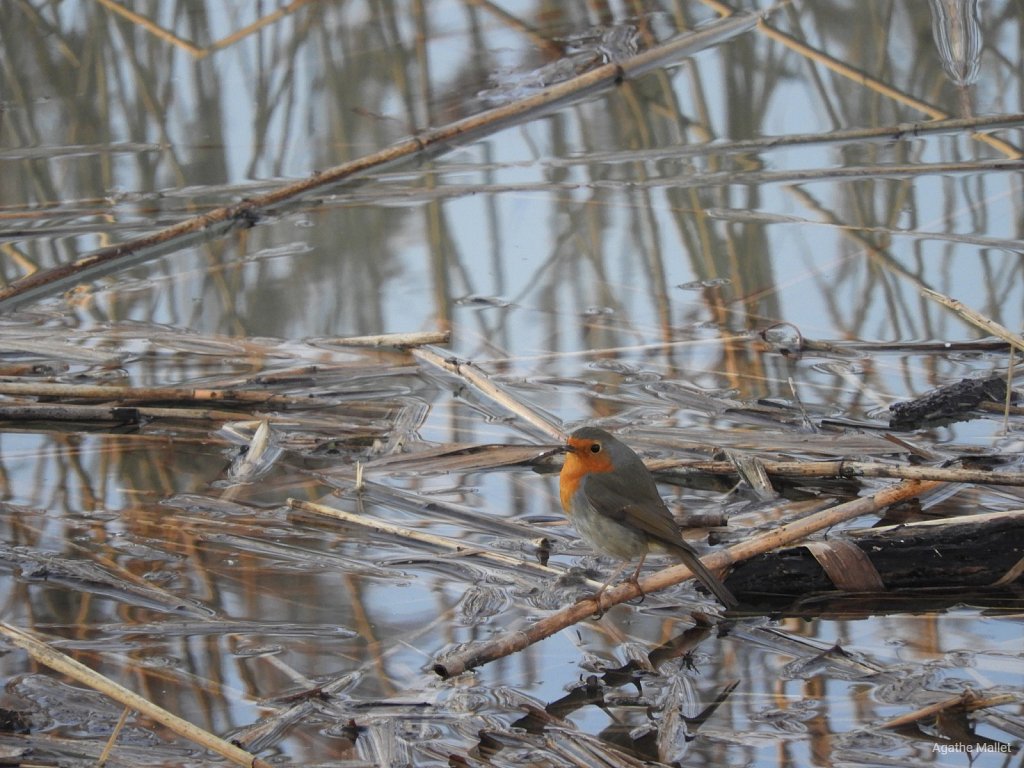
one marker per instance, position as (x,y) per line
(707,578)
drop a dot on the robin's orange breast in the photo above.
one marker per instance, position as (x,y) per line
(580,461)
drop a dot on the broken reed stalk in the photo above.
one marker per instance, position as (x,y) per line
(108,748)
(118,414)
(968,701)
(481,382)
(144,394)
(976,318)
(790,533)
(453,545)
(845,469)
(248,212)
(77,671)
(400,340)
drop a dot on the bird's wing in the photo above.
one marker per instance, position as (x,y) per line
(648,513)
(611,497)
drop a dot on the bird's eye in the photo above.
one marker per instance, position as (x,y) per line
(595,447)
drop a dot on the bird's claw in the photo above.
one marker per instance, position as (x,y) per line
(599,613)
(643,595)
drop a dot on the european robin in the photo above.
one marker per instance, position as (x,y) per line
(614,504)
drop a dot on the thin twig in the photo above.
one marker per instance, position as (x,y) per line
(543,43)
(255,26)
(1008,401)
(191,48)
(153,28)
(513,641)
(114,735)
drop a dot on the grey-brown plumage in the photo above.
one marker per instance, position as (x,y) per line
(615,505)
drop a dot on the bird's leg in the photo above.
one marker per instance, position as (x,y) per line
(599,613)
(635,578)
(597,596)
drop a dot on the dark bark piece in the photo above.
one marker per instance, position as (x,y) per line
(964,554)
(953,402)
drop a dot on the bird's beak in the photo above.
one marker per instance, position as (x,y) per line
(554,450)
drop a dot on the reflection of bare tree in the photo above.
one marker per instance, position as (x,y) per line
(133,96)
(274,120)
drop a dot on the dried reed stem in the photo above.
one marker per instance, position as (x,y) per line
(968,701)
(475,377)
(119,414)
(64,664)
(144,394)
(846,469)
(443,542)
(976,318)
(400,340)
